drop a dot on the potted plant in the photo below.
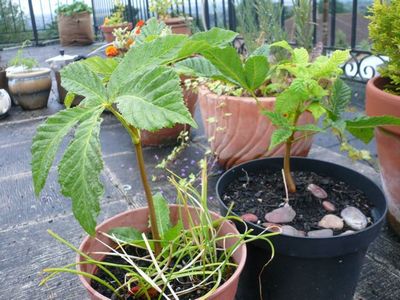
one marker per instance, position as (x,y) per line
(115,21)
(383,98)
(75,24)
(236,129)
(178,24)
(327,214)
(28,84)
(142,94)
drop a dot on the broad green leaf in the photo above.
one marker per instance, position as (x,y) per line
(151,31)
(162,214)
(341,96)
(79,172)
(309,127)
(48,138)
(126,234)
(300,56)
(69,98)
(197,66)
(215,37)
(289,100)
(263,50)
(316,109)
(228,62)
(192,47)
(277,119)
(256,70)
(363,128)
(339,57)
(79,79)
(171,234)
(160,51)
(279,136)
(101,66)
(153,100)
(283,44)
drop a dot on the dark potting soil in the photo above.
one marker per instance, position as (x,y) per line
(120,275)
(259,193)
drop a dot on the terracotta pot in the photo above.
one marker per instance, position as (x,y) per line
(180,25)
(108,30)
(138,218)
(30,89)
(380,103)
(62,93)
(238,132)
(168,136)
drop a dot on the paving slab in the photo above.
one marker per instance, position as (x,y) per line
(26,248)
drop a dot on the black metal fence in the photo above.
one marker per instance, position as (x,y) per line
(347,26)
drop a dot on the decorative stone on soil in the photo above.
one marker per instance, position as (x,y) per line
(317,191)
(328,206)
(290,230)
(284,214)
(322,233)
(354,218)
(331,222)
(249,218)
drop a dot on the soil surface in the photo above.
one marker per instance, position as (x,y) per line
(259,193)
(120,274)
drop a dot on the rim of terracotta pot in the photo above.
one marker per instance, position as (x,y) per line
(125,24)
(234,276)
(204,90)
(29,73)
(177,20)
(374,85)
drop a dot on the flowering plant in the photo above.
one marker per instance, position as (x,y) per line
(143,32)
(117,17)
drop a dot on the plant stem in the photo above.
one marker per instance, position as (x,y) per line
(286,165)
(291,184)
(149,197)
(135,136)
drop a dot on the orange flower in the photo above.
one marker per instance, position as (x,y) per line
(129,42)
(111,51)
(137,31)
(106,21)
(140,23)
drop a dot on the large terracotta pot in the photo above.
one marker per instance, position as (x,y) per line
(30,89)
(180,25)
(238,132)
(138,218)
(380,103)
(168,136)
(108,30)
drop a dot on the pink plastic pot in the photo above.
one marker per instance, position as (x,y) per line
(238,132)
(138,218)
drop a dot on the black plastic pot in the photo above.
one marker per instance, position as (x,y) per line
(303,267)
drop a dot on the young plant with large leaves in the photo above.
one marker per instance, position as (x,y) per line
(318,89)
(143,93)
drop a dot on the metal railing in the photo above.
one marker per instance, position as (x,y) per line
(347,25)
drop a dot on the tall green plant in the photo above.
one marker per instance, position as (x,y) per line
(300,86)
(74,8)
(384,31)
(142,92)
(303,24)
